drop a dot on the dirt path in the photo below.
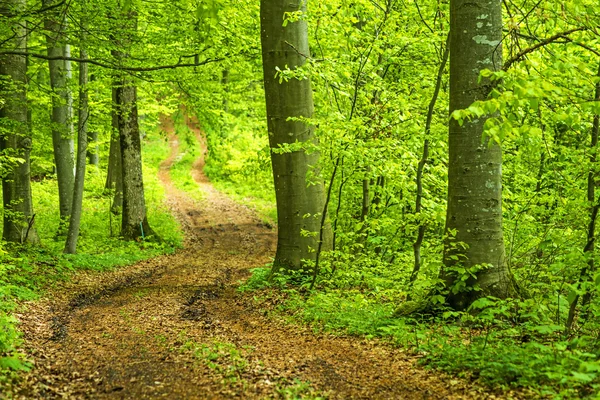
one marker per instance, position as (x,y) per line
(175,327)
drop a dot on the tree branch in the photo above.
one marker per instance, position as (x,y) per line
(536,46)
(111,66)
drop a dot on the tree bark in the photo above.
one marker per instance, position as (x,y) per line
(421,168)
(82,143)
(15,140)
(299,203)
(590,246)
(93,152)
(114,177)
(62,125)
(134,224)
(475,166)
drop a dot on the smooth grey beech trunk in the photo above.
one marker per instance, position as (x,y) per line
(82,144)
(134,224)
(15,140)
(475,166)
(61,118)
(300,203)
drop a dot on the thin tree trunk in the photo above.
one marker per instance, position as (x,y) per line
(474,211)
(421,167)
(377,196)
(82,138)
(365,207)
(299,203)
(93,152)
(590,245)
(15,140)
(62,126)
(114,177)
(226,90)
(540,175)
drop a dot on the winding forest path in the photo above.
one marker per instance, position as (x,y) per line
(175,326)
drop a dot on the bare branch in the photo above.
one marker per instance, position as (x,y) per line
(198,63)
(542,43)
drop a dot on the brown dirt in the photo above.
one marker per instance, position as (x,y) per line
(176,327)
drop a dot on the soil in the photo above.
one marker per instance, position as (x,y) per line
(176,326)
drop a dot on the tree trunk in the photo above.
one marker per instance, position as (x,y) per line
(475,168)
(134,222)
(588,270)
(421,169)
(15,140)
(114,177)
(93,152)
(62,126)
(299,203)
(82,138)
(226,90)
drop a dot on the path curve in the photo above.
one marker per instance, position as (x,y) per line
(176,327)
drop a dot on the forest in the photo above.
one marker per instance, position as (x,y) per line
(295,199)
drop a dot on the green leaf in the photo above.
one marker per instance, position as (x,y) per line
(13,363)
(583,377)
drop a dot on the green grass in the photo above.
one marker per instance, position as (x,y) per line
(500,344)
(26,272)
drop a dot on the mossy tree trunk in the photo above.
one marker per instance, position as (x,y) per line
(134,223)
(475,166)
(300,202)
(15,138)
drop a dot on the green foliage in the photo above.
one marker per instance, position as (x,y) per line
(238,164)
(502,344)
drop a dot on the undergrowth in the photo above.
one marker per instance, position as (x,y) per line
(502,344)
(238,164)
(26,271)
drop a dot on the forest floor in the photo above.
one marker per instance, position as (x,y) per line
(176,326)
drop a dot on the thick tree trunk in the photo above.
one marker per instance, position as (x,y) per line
(475,167)
(15,140)
(299,202)
(134,222)
(62,125)
(82,143)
